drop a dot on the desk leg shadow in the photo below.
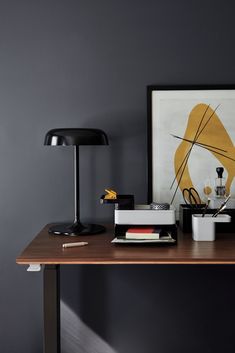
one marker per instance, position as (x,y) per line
(51,304)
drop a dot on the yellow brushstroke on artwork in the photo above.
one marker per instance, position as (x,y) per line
(214,134)
(207,190)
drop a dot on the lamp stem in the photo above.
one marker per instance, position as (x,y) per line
(76,184)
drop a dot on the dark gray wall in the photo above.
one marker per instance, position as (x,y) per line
(81,63)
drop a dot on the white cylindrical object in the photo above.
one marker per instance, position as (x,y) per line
(204,227)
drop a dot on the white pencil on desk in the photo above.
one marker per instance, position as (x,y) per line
(71,245)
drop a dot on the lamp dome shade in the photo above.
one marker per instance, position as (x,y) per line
(73,137)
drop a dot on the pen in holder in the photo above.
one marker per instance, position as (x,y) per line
(204,227)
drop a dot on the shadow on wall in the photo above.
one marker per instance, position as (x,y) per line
(134,308)
(87,341)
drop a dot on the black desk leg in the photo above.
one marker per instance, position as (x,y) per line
(51,305)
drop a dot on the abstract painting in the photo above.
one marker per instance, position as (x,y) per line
(191,133)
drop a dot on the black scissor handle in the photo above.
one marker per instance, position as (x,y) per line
(192,198)
(195,195)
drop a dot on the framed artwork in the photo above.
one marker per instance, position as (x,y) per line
(191,132)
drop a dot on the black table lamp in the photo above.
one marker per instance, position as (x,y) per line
(76,137)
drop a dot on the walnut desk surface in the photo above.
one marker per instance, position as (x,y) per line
(46,249)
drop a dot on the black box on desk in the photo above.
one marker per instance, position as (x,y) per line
(185,218)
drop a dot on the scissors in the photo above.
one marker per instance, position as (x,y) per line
(191,197)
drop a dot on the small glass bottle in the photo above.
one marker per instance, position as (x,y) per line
(220,183)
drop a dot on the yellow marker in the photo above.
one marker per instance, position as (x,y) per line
(110,191)
(111,194)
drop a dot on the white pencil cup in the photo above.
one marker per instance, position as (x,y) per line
(204,227)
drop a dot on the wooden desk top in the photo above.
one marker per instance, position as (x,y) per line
(47,249)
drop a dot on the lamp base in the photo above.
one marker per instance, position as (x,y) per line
(77,228)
